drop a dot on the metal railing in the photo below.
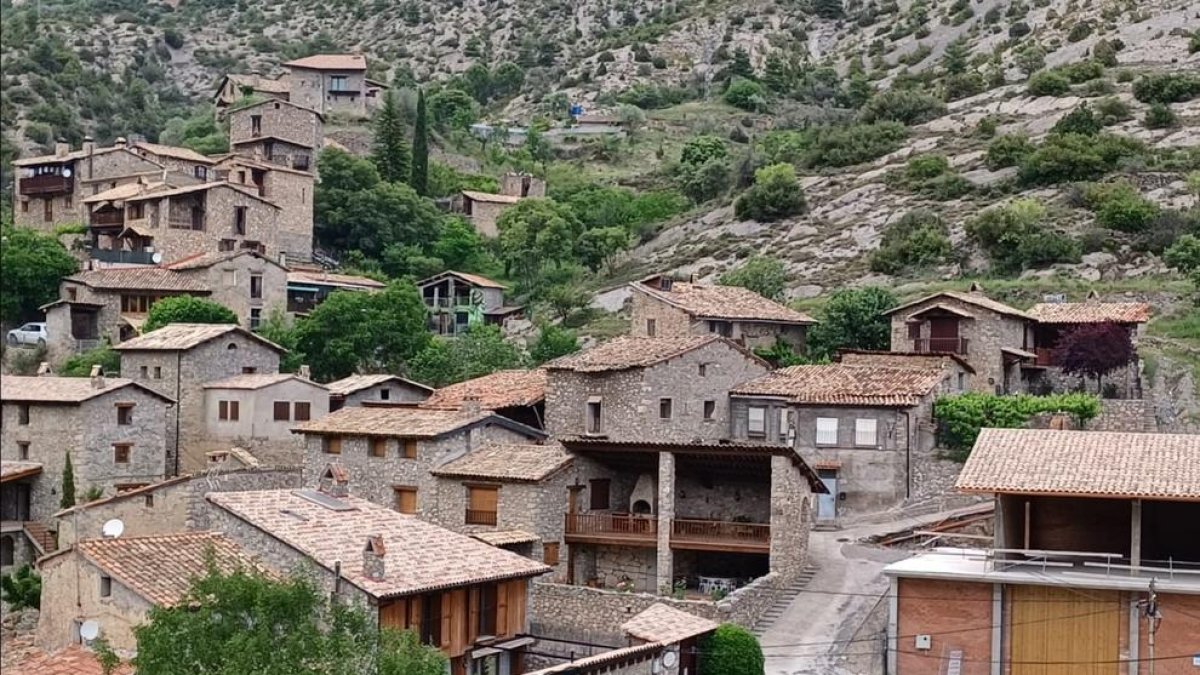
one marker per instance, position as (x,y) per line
(956,345)
(478,517)
(122,256)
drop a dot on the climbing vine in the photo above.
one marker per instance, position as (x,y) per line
(961,417)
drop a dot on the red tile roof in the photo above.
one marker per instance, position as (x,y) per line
(139,278)
(839,384)
(1091,312)
(525,462)
(354,383)
(502,389)
(407,422)
(975,298)
(729,303)
(631,352)
(184,336)
(473,279)
(15,470)
(662,623)
(49,389)
(74,660)
(330,62)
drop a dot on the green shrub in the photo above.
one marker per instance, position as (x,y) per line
(173,38)
(22,589)
(1160,116)
(746,94)
(1016,237)
(80,365)
(1119,206)
(924,167)
(1048,83)
(855,144)
(1081,120)
(1112,110)
(732,650)
(918,240)
(1194,43)
(1080,71)
(702,149)
(1074,157)
(775,194)
(960,418)
(902,105)
(1008,150)
(1166,88)
(1079,31)
(186,309)
(1105,51)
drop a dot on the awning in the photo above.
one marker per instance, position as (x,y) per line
(506,537)
(1019,353)
(18,470)
(306,289)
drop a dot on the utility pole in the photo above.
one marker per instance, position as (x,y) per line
(1153,619)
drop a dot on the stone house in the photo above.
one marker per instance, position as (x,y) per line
(1089,527)
(483,209)
(247,282)
(290,190)
(115,582)
(457,301)
(665,389)
(388,451)
(357,390)
(868,430)
(255,412)
(333,83)
(519,395)
(277,132)
(663,307)
(175,159)
(22,540)
(1057,319)
(307,289)
(995,339)
(955,366)
(234,87)
(464,596)
(177,360)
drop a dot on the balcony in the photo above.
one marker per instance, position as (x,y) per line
(1045,356)
(698,535)
(345,92)
(952,345)
(107,219)
(48,184)
(120,256)
(478,517)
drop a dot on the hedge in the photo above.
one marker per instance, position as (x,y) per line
(961,417)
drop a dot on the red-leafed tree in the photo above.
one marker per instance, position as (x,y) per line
(1094,350)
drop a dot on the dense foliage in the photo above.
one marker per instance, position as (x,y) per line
(1018,236)
(765,276)
(961,417)
(187,309)
(80,365)
(917,241)
(22,589)
(481,351)
(732,650)
(1094,350)
(853,319)
(31,266)
(776,194)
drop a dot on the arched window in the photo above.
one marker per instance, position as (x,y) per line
(7,550)
(232,346)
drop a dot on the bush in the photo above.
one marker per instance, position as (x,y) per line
(1015,237)
(765,276)
(80,365)
(173,38)
(960,418)
(1079,31)
(1112,110)
(1008,150)
(746,94)
(1119,206)
(918,240)
(1160,116)
(1166,88)
(1079,121)
(733,650)
(650,97)
(22,589)
(902,105)
(775,194)
(1105,52)
(924,167)
(1074,157)
(186,309)
(702,149)
(1048,83)
(855,144)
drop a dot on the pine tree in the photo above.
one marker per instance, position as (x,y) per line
(777,75)
(741,66)
(420,149)
(390,150)
(955,58)
(828,9)
(68,485)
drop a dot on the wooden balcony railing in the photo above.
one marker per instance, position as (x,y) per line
(1045,356)
(941,345)
(477,517)
(46,185)
(612,524)
(714,530)
(685,533)
(107,219)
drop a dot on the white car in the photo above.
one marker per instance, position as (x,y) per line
(29,334)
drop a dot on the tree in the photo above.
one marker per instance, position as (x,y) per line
(777,74)
(733,650)
(187,309)
(1081,120)
(776,194)
(741,66)
(31,266)
(67,500)
(539,149)
(364,332)
(242,621)
(702,149)
(507,79)
(1094,350)
(22,589)
(80,365)
(853,319)
(420,149)
(481,351)
(390,149)
(1184,255)
(705,181)
(278,328)
(451,108)
(460,247)
(765,276)
(597,247)
(535,233)
(478,82)
(553,341)
(956,57)
(746,94)
(1031,58)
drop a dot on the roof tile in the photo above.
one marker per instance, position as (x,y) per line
(976,299)
(73,660)
(527,462)
(255,381)
(840,384)
(184,336)
(1091,312)
(139,278)
(662,623)
(732,303)
(331,62)
(12,470)
(354,383)
(407,422)
(502,389)
(630,352)
(339,280)
(61,389)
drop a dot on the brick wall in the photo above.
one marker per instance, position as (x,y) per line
(945,610)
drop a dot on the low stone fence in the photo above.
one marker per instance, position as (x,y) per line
(1121,415)
(747,603)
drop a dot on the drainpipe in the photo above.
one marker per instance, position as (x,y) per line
(178,405)
(907,455)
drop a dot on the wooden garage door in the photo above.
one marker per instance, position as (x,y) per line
(1052,627)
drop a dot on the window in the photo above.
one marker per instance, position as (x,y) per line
(385,394)
(125,414)
(249,370)
(481,504)
(702,370)
(23,414)
(410,448)
(722,328)
(914,330)
(827,431)
(201,172)
(144,371)
(283,411)
(48,210)
(227,411)
(226,245)
(121,453)
(757,421)
(865,433)
(651,327)
(256,125)
(256,286)
(664,408)
(378,447)
(406,499)
(337,83)
(332,445)
(239,220)
(25,206)
(550,552)
(962,381)
(255,318)
(593,416)
(67,201)
(487,609)
(158,372)
(72,294)
(149,500)
(301,411)
(431,619)
(710,409)
(105,586)
(8,548)
(229,277)
(23,449)
(783,424)
(269,149)
(599,489)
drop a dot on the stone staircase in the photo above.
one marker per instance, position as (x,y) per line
(43,539)
(784,600)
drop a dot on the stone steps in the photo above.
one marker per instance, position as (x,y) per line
(784,600)
(43,539)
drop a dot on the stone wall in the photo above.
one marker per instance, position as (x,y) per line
(791,518)
(229,283)
(669,321)
(398,392)
(310,88)
(484,216)
(595,615)
(89,174)
(24,552)
(262,221)
(279,119)
(1115,415)
(256,429)
(71,592)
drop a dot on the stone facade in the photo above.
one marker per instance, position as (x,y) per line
(312,88)
(279,120)
(632,400)
(232,283)
(71,595)
(12,535)
(397,392)
(257,430)
(290,190)
(671,321)
(171,222)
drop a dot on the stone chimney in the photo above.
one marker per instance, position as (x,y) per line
(120,142)
(471,406)
(335,481)
(97,377)
(89,145)
(61,148)
(976,288)
(44,369)
(305,372)
(374,567)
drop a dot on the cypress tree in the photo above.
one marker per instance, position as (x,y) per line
(390,150)
(68,485)
(420,149)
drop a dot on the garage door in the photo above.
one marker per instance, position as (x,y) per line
(1064,631)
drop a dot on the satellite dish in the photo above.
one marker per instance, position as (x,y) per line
(66,172)
(156,258)
(670,658)
(89,630)
(113,528)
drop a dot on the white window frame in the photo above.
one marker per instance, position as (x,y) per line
(826,432)
(761,413)
(866,432)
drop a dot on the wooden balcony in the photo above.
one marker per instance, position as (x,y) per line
(955,345)
(1045,356)
(48,184)
(618,529)
(107,219)
(477,517)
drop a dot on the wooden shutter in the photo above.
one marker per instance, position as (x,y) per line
(406,499)
(410,448)
(599,494)
(550,553)
(516,606)
(502,590)
(483,498)
(394,615)
(473,614)
(233,410)
(447,607)
(282,410)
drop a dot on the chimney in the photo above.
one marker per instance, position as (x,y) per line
(373,563)
(61,148)
(305,372)
(97,377)
(120,142)
(976,288)
(471,406)
(335,481)
(283,259)
(89,145)
(44,369)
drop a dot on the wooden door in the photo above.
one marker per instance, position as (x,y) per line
(1064,631)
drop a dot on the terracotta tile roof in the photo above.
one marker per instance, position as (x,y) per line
(840,384)
(665,624)
(730,303)
(278,101)
(160,568)
(502,389)
(421,557)
(121,192)
(505,537)
(183,336)
(202,260)
(256,381)
(339,280)
(69,157)
(169,191)
(15,470)
(330,62)
(354,383)
(490,197)
(1084,463)
(73,660)
(603,662)
(626,351)
(139,278)
(408,422)
(976,299)
(473,279)
(186,154)
(259,83)
(62,389)
(525,462)
(920,360)
(1091,312)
